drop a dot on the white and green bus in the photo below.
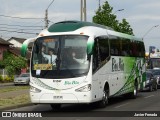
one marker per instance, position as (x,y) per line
(92,63)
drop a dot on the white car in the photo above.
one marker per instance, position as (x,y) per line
(23,78)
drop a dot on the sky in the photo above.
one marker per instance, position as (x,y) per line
(142,15)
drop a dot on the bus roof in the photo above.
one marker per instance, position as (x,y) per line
(67,26)
(123,35)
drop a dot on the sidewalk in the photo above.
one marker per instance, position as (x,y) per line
(6,84)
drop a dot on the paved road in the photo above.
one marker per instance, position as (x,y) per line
(146,101)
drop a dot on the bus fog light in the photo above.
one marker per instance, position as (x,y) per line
(33,89)
(85,88)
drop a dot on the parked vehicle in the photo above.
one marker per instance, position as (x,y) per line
(23,78)
(151,82)
(156,74)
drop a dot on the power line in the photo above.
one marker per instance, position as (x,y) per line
(50,4)
(18,17)
(19,29)
(21,25)
(19,32)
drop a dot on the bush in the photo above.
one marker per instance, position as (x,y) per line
(9,78)
(1,78)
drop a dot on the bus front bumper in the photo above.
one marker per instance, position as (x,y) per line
(60,98)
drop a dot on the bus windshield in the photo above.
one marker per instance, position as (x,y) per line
(60,57)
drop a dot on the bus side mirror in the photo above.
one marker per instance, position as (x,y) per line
(23,50)
(25,46)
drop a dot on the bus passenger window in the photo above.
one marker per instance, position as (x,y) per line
(101,52)
(95,56)
(103,48)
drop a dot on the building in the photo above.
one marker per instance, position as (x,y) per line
(4,46)
(13,45)
(17,42)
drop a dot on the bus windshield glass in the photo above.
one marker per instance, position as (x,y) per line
(60,57)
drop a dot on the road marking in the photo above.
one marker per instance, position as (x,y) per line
(149,96)
(121,105)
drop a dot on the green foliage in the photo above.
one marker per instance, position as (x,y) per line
(124,27)
(13,63)
(1,78)
(8,78)
(105,17)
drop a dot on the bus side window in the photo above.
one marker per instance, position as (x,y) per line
(101,52)
(103,48)
(95,56)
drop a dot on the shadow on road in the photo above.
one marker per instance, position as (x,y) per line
(93,106)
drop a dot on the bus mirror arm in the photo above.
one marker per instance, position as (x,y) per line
(25,46)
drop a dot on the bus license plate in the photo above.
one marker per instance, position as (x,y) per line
(57,97)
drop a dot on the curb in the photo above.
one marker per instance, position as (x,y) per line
(6,84)
(16,106)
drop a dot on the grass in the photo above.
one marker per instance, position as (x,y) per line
(14,101)
(13,88)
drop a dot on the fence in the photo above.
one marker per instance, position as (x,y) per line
(3,73)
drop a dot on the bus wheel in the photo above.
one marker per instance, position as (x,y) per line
(133,94)
(151,88)
(103,103)
(56,106)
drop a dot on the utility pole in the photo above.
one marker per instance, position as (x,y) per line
(85,16)
(149,30)
(46,19)
(46,15)
(118,11)
(83,10)
(99,3)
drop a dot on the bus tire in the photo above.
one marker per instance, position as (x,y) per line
(150,88)
(103,103)
(133,95)
(56,107)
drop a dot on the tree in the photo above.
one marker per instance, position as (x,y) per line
(105,17)
(124,27)
(12,64)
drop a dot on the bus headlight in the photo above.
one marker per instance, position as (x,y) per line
(85,88)
(33,89)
